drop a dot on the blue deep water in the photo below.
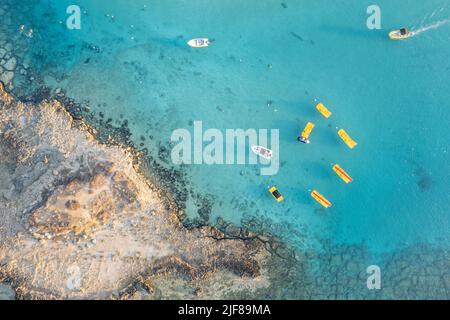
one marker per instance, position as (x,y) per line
(269,64)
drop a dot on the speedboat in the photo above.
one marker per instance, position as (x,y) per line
(262,151)
(400,34)
(199,42)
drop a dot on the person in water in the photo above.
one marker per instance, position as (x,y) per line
(299,138)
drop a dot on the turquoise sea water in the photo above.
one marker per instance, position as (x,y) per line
(269,63)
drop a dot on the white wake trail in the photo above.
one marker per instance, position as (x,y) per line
(431,26)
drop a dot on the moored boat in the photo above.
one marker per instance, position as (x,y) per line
(323,110)
(199,42)
(262,151)
(342,174)
(346,138)
(304,135)
(276,194)
(320,199)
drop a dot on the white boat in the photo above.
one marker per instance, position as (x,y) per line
(262,151)
(199,42)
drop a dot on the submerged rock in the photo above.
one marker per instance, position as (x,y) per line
(6,77)
(10,64)
(97,228)
(6,292)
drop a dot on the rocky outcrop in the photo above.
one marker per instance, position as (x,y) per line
(77,220)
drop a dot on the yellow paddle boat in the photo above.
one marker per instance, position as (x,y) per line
(304,135)
(349,141)
(342,174)
(320,199)
(323,110)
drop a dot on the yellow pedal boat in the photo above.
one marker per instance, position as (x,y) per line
(304,135)
(349,141)
(320,199)
(342,174)
(323,110)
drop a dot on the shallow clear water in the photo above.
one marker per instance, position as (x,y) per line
(269,63)
(6,292)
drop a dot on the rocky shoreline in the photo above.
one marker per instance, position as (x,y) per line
(79,221)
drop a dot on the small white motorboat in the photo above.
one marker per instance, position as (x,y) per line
(262,151)
(199,42)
